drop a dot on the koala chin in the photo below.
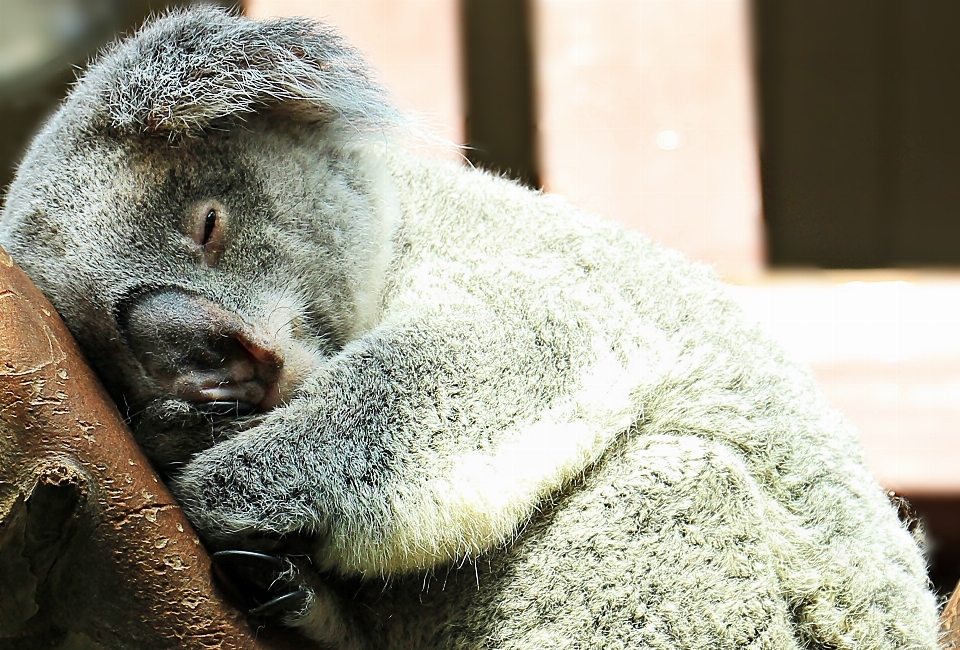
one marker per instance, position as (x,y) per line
(414,405)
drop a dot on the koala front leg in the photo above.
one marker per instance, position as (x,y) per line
(422,442)
(355,459)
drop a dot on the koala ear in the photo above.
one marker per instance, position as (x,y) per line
(188,69)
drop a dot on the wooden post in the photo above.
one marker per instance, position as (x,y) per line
(646,116)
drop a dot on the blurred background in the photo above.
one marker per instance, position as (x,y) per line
(808,149)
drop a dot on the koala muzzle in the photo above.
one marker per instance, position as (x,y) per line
(200,352)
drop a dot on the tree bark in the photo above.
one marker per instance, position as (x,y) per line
(950,622)
(94,551)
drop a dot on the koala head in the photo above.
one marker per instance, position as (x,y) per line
(207,213)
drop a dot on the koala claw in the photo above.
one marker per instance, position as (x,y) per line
(282,606)
(270,585)
(225,407)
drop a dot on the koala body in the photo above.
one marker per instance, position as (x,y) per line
(493,421)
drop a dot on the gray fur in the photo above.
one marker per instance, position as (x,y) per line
(501,423)
(160,82)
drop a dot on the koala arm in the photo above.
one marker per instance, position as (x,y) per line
(419,443)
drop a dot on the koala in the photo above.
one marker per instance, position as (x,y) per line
(412,404)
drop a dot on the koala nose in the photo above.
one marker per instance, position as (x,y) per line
(200,352)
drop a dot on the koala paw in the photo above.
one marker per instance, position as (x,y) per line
(271,587)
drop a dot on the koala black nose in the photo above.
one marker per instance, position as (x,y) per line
(200,352)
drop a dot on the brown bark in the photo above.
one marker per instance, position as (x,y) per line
(950,622)
(94,552)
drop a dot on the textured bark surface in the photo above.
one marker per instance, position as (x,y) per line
(950,622)
(94,552)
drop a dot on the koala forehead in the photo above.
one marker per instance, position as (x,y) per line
(82,195)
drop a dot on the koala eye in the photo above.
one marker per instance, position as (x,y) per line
(207,225)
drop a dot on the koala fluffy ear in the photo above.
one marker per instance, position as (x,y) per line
(188,69)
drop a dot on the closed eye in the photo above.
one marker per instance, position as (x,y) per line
(207,225)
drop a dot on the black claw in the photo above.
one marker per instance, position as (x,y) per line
(250,568)
(222,408)
(269,586)
(293,603)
